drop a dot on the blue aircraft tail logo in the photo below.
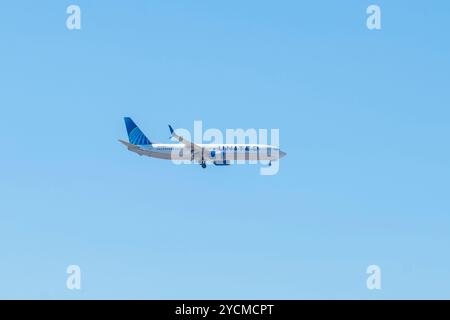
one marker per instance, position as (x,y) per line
(135,135)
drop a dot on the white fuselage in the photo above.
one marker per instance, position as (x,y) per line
(216,153)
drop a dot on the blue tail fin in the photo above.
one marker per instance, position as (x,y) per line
(135,135)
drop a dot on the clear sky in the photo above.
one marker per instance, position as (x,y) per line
(363,115)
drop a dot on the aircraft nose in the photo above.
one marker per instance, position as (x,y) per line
(282,154)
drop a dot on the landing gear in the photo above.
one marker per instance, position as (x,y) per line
(270,163)
(203,159)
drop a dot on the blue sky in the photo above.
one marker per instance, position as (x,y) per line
(363,116)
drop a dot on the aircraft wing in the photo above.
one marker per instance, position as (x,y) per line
(196,150)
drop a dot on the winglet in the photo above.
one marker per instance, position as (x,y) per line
(171,129)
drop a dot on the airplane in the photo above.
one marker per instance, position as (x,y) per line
(217,154)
